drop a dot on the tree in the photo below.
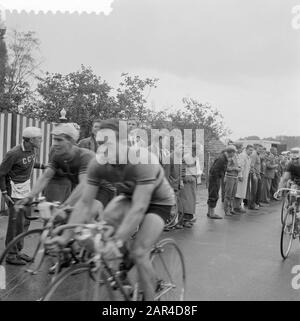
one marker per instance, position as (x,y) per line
(198,115)
(131,96)
(22,66)
(3,61)
(83,95)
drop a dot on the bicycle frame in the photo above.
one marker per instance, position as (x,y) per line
(112,277)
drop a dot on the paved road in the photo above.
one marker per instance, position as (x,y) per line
(236,258)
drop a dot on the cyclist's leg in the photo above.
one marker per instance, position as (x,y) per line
(148,234)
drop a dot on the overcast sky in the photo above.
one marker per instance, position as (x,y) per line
(241,56)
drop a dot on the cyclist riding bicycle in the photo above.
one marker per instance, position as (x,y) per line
(73,162)
(291,175)
(292,171)
(145,199)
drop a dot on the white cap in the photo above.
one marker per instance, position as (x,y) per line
(66,129)
(32,132)
(295,152)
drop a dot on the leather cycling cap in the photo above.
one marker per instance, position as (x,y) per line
(67,129)
(32,132)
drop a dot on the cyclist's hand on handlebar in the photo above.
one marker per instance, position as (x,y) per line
(278,194)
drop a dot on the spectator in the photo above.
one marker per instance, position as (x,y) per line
(259,151)
(230,180)
(276,179)
(245,164)
(15,173)
(216,172)
(176,178)
(254,177)
(159,147)
(271,166)
(188,193)
(90,142)
(264,198)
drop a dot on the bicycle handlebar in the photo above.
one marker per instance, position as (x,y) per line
(99,226)
(296,191)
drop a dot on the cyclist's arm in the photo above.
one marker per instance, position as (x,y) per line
(284,179)
(77,192)
(82,210)
(140,202)
(42,182)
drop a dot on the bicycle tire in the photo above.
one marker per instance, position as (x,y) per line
(283,212)
(82,288)
(160,259)
(25,282)
(285,251)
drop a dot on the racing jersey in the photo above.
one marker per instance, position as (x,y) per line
(72,167)
(125,177)
(294,170)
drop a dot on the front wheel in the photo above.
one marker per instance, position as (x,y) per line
(287,233)
(79,283)
(284,208)
(168,263)
(24,282)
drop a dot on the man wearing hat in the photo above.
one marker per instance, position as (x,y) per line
(216,172)
(73,162)
(15,173)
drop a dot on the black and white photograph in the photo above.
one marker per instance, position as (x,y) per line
(150,151)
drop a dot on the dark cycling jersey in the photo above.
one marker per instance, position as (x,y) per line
(294,170)
(72,168)
(126,177)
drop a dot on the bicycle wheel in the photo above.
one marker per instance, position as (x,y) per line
(168,263)
(25,282)
(79,283)
(287,233)
(284,207)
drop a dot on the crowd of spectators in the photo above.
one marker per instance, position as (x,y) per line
(248,178)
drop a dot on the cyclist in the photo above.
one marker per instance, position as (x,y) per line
(292,171)
(70,160)
(145,199)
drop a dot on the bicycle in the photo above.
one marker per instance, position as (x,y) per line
(291,224)
(100,279)
(285,203)
(19,281)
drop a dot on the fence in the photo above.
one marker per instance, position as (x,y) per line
(11,128)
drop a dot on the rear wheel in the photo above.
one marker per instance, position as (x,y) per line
(168,263)
(287,233)
(25,282)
